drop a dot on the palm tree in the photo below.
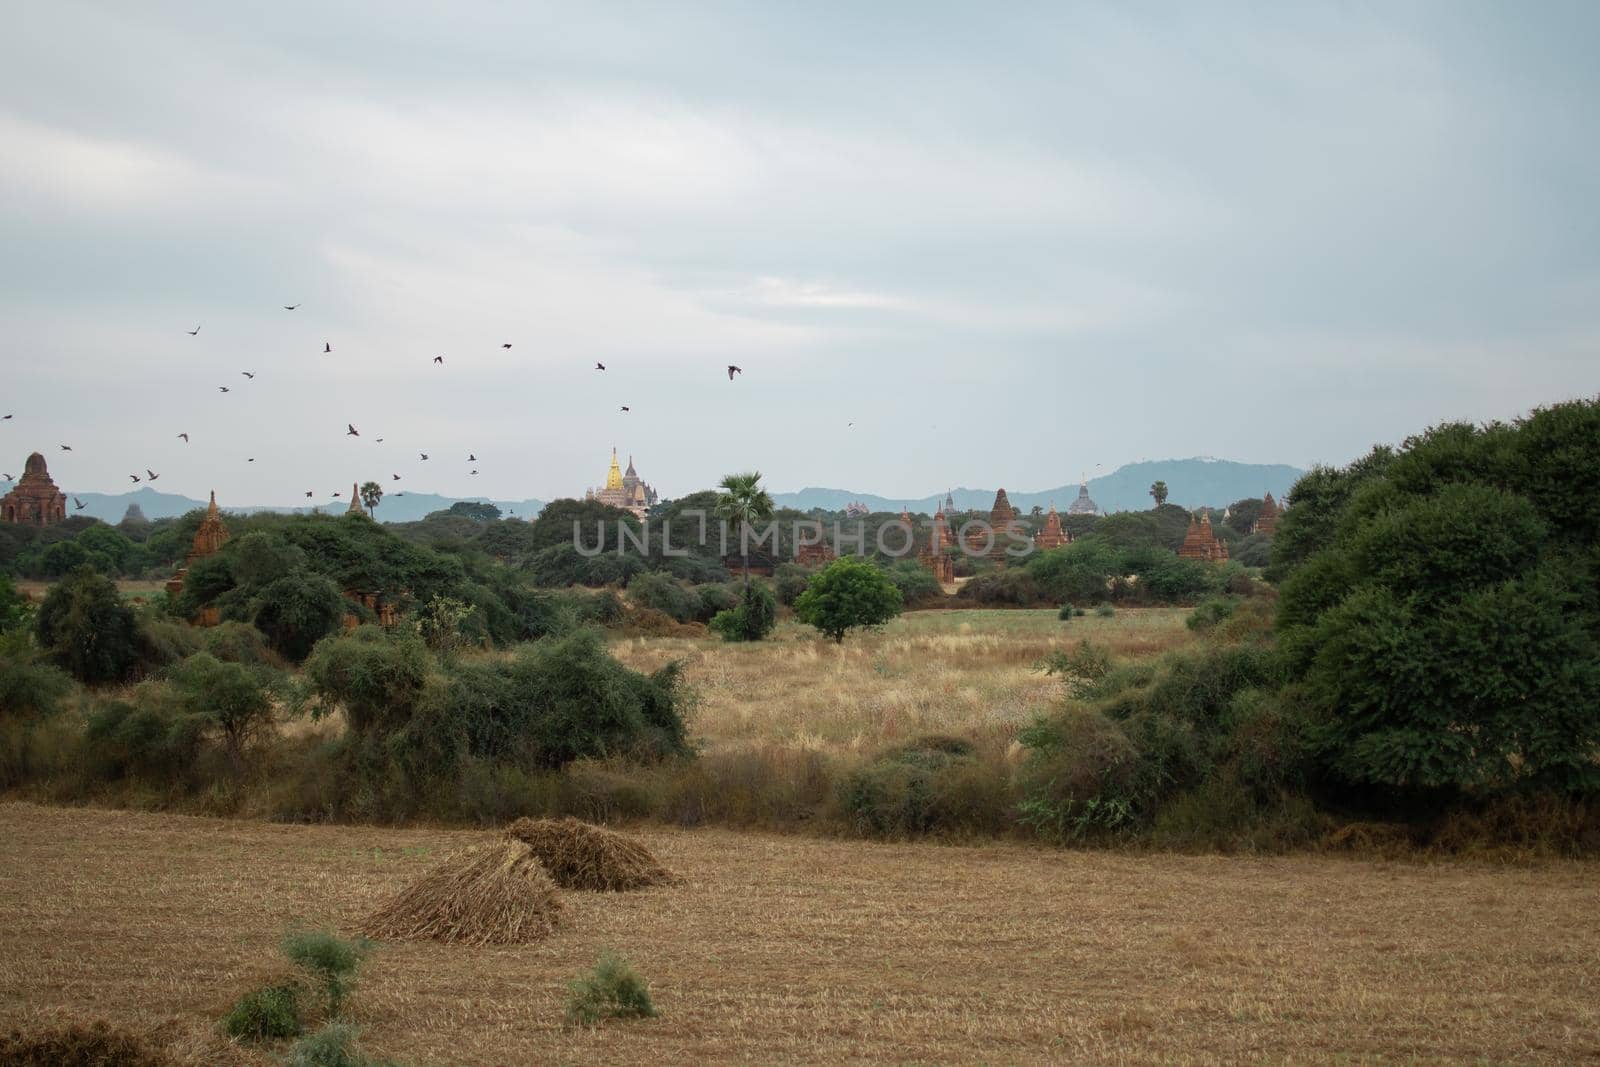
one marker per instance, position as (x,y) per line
(371,493)
(1159,491)
(744,503)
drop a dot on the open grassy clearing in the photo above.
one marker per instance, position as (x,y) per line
(789,949)
(926,672)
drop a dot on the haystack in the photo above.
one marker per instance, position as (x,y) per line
(580,856)
(73,1044)
(496,894)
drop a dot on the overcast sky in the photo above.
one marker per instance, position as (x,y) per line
(1007,242)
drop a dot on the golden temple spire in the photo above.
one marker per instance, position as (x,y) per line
(614,475)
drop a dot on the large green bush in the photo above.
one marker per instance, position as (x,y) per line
(84,626)
(1439,610)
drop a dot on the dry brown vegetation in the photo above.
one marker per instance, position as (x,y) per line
(927,672)
(493,894)
(790,949)
(580,856)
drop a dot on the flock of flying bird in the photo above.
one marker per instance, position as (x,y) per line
(350,429)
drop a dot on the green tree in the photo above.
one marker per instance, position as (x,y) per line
(86,628)
(234,699)
(296,611)
(371,494)
(848,594)
(744,503)
(476,510)
(1158,490)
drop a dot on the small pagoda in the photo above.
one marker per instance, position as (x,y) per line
(35,500)
(935,555)
(816,553)
(1200,542)
(208,541)
(1052,536)
(1266,523)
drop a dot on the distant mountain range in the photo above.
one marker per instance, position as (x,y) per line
(1191,483)
(110,507)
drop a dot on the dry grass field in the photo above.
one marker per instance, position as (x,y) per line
(789,949)
(926,672)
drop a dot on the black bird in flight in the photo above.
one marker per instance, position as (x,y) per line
(290,307)
(399,494)
(308,492)
(326,347)
(66,448)
(185,437)
(506,345)
(224,388)
(6,416)
(247,374)
(194,332)
(732,370)
(438,359)
(625,407)
(396,477)
(152,475)
(252,459)
(599,366)
(335,493)
(471,458)
(350,430)
(424,455)
(474,472)
(7,477)
(78,505)
(135,477)
(378,439)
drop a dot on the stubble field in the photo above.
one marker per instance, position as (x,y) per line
(790,949)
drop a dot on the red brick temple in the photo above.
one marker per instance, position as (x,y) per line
(208,541)
(1201,543)
(1267,522)
(1052,536)
(35,500)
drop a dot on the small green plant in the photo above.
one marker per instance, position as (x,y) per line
(612,990)
(1082,669)
(1105,611)
(265,1014)
(330,959)
(1066,612)
(332,1046)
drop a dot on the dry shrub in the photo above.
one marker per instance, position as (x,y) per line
(96,1044)
(1370,839)
(496,894)
(580,856)
(1519,827)
(648,622)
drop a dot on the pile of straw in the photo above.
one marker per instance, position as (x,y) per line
(495,894)
(580,856)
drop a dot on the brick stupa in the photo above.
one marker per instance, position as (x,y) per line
(935,555)
(35,500)
(1267,522)
(208,541)
(1001,518)
(1052,536)
(1200,542)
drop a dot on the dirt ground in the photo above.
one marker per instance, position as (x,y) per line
(789,949)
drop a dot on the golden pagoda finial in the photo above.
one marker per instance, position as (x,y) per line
(614,475)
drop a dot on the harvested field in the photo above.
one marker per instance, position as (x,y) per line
(786,949)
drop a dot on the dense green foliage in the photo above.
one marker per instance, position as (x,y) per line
(1439,612)
(88,631)
(753,617)
(1093,570)
(848,594)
